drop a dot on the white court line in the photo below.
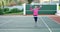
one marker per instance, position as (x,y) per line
(54,20)
(16,16)
(31,29)
(28,29)
(21,16)
(5,23)
(46,25)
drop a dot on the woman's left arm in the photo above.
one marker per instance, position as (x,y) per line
(38,8)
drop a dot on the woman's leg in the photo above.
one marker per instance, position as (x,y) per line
(35,18)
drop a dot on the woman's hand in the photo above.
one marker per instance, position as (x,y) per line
(40,5)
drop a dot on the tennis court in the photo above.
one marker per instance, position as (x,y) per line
(27,24)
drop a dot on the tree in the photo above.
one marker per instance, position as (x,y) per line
(0,3)
(29,1)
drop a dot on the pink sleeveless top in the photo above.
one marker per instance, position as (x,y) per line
(35,11)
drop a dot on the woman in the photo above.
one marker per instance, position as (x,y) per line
(35,12)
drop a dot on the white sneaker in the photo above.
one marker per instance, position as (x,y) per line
(35,24)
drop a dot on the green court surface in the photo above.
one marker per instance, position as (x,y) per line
(27,24)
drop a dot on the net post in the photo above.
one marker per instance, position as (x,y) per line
(57,6)
(24,10)
(58,12)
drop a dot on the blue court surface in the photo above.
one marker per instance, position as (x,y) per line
(27,24)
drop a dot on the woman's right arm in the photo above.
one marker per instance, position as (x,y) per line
(31,8)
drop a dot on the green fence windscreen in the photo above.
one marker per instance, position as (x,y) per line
(45,9)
